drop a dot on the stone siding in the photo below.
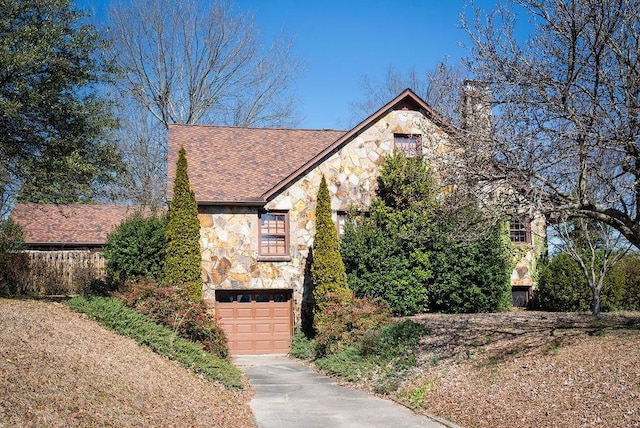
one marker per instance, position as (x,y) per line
(524,272)
(229,235)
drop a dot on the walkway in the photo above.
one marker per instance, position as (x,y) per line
(290,395)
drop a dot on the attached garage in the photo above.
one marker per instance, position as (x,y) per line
(256,321)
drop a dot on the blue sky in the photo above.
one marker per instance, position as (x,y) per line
(341,41)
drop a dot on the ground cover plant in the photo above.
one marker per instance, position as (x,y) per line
(380,355)
(167,305)
(58,368)
(113,314)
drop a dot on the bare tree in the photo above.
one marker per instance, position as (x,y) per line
(595,246)
(439,87)
(191,62)
(201,62)
(143,148)
(566,106)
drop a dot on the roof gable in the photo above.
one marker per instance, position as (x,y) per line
(232,165)
(73,225)
(406,100)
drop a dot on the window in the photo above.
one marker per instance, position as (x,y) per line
(274,234)
(409,144)
(520,229)
(341,218)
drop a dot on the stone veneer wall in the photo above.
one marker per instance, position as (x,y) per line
(229,235)
(524,272)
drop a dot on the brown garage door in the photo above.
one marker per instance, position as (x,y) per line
(256,322)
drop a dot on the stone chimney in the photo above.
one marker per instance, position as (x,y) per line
(476,107)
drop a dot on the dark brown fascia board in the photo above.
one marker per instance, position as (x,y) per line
(247,203)
(407,93)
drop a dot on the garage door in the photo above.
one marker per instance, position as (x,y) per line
(256,322)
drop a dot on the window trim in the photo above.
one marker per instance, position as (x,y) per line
(417,139)
(286,255)
(526,221)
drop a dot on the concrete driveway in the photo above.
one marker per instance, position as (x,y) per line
(288,394)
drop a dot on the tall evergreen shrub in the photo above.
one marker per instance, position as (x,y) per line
(472,276)
(387,254)
(327,268)
(182,262)
(408,254)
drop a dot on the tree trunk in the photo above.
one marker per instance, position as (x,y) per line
(595,305)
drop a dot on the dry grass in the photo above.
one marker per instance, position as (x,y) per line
(59,369)
(530,369)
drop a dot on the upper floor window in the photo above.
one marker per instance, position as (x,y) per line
(409,144)
(273,229)
(520,229)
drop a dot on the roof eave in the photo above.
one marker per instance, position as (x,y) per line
(65,244)
(244,203)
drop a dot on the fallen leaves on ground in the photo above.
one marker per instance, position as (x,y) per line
(529,369)
(57,368)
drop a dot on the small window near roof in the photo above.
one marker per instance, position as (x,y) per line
(274,233)
(409,144)
(520,229)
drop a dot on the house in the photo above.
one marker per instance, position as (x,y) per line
(68,227)
(64,243)
(256,191)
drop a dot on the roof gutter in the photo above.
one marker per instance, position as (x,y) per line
(246,203)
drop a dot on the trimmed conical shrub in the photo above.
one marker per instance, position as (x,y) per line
(327,268)
(182,263)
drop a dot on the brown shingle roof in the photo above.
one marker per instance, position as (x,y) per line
(69,224)
(234,164)
(250,165)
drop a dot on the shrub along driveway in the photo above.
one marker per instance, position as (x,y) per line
(289,394)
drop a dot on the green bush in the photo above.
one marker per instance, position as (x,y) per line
(302,347)
(629,268)
(136,248)
(562,287)
(384,356)
(345,322)
(393,340)
(349,364)
(182,257)
(408,254)
(166,305)
(11,241)
(112,313)
(380,267)
(327,268)
(473,276)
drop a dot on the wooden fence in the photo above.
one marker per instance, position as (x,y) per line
(60,272)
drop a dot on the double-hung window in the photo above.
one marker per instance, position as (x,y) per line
(520,229)
(409,144)
(274,234)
